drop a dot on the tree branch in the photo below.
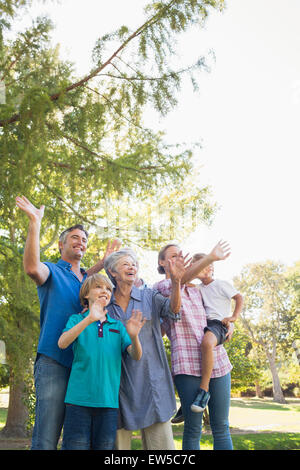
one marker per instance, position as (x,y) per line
(140,169)
(248,327)
(103,157)
(61,199)
(73,86)
(118,112)
(5,72)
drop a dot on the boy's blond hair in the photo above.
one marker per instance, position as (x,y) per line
(89,283)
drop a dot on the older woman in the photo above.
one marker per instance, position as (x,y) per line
(186,337)
(147,399)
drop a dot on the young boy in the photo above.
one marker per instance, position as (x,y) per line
(92,398)
(216,295)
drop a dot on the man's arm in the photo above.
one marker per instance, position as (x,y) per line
(38,271)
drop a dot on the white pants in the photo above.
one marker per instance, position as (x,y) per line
(158,436)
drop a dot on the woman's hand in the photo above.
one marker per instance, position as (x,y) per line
(177,267)
(135,323)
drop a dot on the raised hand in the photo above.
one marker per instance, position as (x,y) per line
(30,210)
(111,247)
(97,310)
(177,267)
(135,323)
(221,251)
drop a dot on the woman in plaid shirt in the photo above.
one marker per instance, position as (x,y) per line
(185,338)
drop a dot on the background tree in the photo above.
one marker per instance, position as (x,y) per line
(267,316)
(293,280)
(80,147)
(245,370)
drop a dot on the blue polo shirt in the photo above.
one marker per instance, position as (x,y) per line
(59,299)
(96,370)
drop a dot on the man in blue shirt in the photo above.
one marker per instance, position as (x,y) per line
(58,290)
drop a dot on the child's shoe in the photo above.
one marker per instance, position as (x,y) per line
(200,402)
(178,418)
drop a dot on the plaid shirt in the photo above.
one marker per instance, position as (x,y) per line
(186,334)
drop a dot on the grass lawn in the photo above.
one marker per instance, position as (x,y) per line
(265,415)
(255,441)
(3,413)
(257,424)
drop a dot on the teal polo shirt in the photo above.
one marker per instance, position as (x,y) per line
(96,368)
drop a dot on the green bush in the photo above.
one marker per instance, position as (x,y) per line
(4,376)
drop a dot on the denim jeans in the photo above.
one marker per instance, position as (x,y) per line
(88,428)
(51,380)
(218,405)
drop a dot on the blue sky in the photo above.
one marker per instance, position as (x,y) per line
(247,116)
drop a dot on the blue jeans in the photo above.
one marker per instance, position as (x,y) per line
(51,380)
(218,405)
(89,428)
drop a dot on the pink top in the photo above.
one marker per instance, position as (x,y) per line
(186,334)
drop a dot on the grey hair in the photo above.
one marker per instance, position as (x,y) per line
(112,260)
(131,253)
